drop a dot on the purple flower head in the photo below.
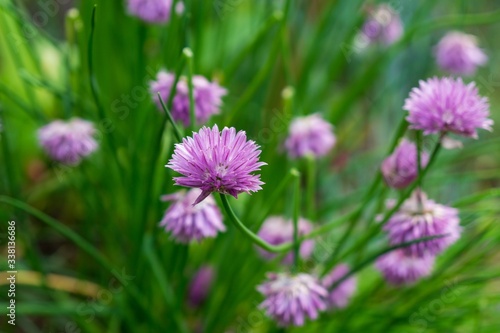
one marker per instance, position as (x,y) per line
(339,297)
(216,161)
(200,285)
(447,105)
(68,142)
(187,222)
(207,97)
(309,135)
(153,11)
(276,230)
(458,53)
(400,268)
(400,168)
(420,217)
(289,299)
(383,25)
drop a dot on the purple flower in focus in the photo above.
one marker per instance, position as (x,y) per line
(400,268)
(339,297)
(420,217)
(383,25)
(200,285)
(309,135)
(68,142)
(290,299)
(458,53)
(447,105)
(187,222)
(276,230)
(153,11)
(216,161)
(207,97)
(400,168)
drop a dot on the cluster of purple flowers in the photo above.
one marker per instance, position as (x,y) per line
(276,230)
(153,11)
(437,106)
(383,25)
(459,54)
(309,136)
(291,298)
(68,142)
(207,97)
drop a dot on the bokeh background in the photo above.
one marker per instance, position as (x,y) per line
(255,49)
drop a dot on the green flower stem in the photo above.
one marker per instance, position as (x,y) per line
(356,215)
(285,44)
(188,55)
(94,88)
(418,137)
(247,232)
(310,189)
(296,212)
(177,132)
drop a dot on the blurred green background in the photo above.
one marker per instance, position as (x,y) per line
(255,49)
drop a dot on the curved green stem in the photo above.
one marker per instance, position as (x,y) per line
(177,133)
(188,54)
(296,213)
(247,232)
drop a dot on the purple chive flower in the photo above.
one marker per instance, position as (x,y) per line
(458,53)
(217,161)
(383,25)
(153,11)
(400,268)
(207,97)
(276,230)
(289,299)
(187,222)
(400,168)
(309,135)
(200,285)
(420,217)
(447,105)
(339,297)
(68,142)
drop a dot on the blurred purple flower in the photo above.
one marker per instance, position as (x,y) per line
(217,161)
(276,230)
(152,11)
(420,217)
(290,299)
(339,297)
(458,53)
(400,168)
(207,97)
(447,105)
(400,268)
(187,222)
(200,285)
(383,25)
(69,141)
(309,135)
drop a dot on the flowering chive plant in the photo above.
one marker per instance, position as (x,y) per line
(284,186)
